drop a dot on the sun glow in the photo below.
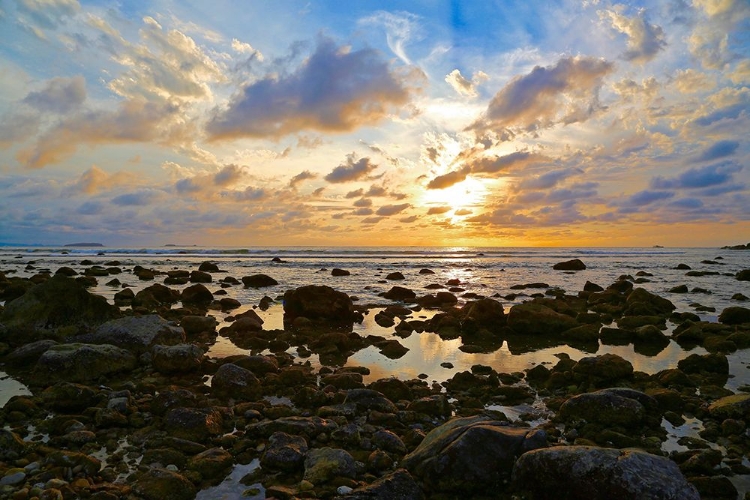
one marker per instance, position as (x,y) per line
(457,201)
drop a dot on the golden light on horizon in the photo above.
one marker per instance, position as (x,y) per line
(463,199)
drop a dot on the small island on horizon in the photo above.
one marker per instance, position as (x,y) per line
(84,245)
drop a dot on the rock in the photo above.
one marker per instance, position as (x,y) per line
(194,325)
(679,289)
(124,297)
(68,397)
(339,272)
(88,465)
(401,294)
(320,304)
(570,265)
(592,287)
(232,381)
(435,406)
(604,369)
(736,406)
(603,407)
(309,427)
(208,267)
(28,354)
(56,303)
(325,464)
(196,294)
(396,485)
(284,452)
(426,271)
(259,365)
(228,303)
(743,275)
(80,362)
(258,281)
(393,388)
(367,399)
(735,315)
(163,484)
(12,447)
(212,464)
(156,295)
(536,319)
(394,276)
(641,302)
(194,424)
(388,441)
(177,358)
(200,277)
(584,472)
(470,455)
(706,363)
(487,314)
(136,333)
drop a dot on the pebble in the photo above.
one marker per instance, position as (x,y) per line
(343,490)
(12,479)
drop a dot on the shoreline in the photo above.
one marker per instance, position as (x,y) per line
(157,389)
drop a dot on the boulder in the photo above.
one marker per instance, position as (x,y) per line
(470,455)
(194,424)
(319,303)
(602,369)
(136,333)
(81,362)
(604,407)
(284,452)
(570,265)
(211,464)
(67,397)
(531,318)
(736,406)
(208,267)
(743,275)
(735,315)
(396,485)
(28,354)
(325,464)
(179,358)
(163,484)
(258,281)
(200,277)
(641,302)
(196,294)
(487,314)
(56,303)
(590,473)
(12,447)
(232,381)
(194,325)
(394,276)
(155,295)
(367,399)
(339,272)
(401,294)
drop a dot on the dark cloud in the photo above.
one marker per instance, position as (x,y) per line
(729,112)
(300,177)
(334,90)
(376,191)
(187,186)
(646,197)
(363,202)
(90,208)
(388,210)
(363,211)
(688,203)
(250,194)
(60,95)
(702,177)
(408,220)
(449,179)
(16,127)
(351,170)
(718,150)
(547,180)
(228,175)
(355,194)
(564,93)
(136,199)
(438,210)
(484,166)
(645,40)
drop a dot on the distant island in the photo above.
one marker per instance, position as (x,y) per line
(84,245)
(737,247)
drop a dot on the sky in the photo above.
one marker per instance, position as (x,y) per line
(449,123)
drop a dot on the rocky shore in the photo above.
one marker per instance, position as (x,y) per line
(125,403)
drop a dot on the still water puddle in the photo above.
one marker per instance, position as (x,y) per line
(231,488)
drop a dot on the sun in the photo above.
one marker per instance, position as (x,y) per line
(459,200)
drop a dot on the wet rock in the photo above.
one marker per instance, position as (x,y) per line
(393,388)
(258,281)
(715,487)
(196,294)
(259,365)
(641,302)
(176,358)
(12,447)
(536,319)
(284,452)
(309,427)
(124,297)
(28,354)
(136,333)
(470,455)
(88,465)
(172,397)
(435,406)
(603,369)
(398,484)
(212,464)
(592,287)
(394,276)
(706,363)
(736,406)
(570,265)
(156,295)
(325,464)
(56,303)
(735,315)
(194,424)
(81,362)
(339,272)
(70,397)
(367,399)
(400,293)
(232,381)
(200,277)
(162,457)
(208,267)
(388,441)
(485,314)
(319,304)
(604,407)
(743,275)
(163,484)
(195,325)
(584,472)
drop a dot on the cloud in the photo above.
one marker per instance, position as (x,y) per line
(564,93)
(188,186)
(250,194)
(439,210)
(463,212)
(701,177)
(351,170)
(16,127)
(300,177)
(364,211)
(95,179)
(718,150)
(363,202)
(60,95)
(547,180)
(646,197)
(388,210)
(334,90)
(483,166)
(48,14)
(137,199)
(90,208)
(644,40)
(355,194)
(400,27)
(690,81)
(462,85)
(230,174)
(710,40)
